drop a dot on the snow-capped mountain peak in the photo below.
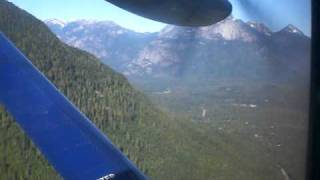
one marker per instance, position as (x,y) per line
(86,22)
(260,27)
(292,29)
(57,22)
(229,29)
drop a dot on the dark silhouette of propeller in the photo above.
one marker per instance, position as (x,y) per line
(179,12)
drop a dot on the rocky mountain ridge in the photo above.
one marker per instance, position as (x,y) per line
(176,51)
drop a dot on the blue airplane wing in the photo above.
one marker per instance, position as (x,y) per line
(70,142)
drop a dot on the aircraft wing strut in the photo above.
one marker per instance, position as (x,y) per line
(68,139)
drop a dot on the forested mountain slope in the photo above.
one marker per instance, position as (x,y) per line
(102,94)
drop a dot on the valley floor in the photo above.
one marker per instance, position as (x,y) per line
(234,132)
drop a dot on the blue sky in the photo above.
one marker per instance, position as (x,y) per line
(275,13)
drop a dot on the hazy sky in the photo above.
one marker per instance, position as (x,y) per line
(275,13)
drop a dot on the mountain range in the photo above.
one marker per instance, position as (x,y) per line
(229,49)
(114,45)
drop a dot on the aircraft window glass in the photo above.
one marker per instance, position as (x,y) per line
(225,101)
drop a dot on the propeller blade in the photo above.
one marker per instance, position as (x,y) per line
(179,12)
